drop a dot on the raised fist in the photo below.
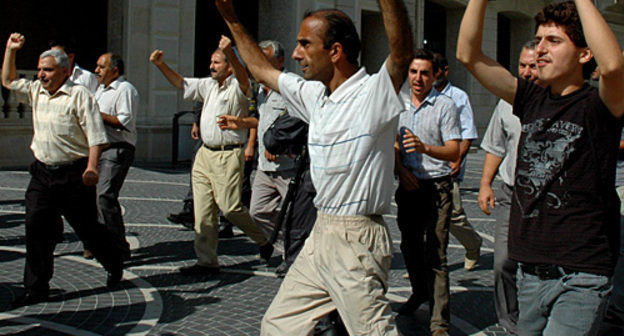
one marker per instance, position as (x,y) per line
(15,41)
(157,57)
(225,43)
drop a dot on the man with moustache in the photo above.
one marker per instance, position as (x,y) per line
(217,172)
(68,137)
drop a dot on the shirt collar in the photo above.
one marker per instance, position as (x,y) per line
(65,89)
(347,86)
(447,88)
(115,84)
(429,100)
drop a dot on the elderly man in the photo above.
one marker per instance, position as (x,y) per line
(217,173)
(119,104)
(345,262)
(77,74)
(67,142)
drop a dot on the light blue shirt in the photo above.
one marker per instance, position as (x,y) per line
(435,121)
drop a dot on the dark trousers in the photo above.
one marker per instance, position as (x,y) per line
(115,162)
(424,216)
(55,192)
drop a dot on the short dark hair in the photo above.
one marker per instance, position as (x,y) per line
(426,55)
(117,62)
(440,60)
(565,14)
(340,29)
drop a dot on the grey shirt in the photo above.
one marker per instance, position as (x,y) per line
(435,121)
(271,106)
(501,139)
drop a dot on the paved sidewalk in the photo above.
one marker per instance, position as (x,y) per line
(154,300)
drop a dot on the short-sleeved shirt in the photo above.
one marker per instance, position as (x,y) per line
(85,78)
(120,99)
(434,122)
(271,106)
(501,139)
(564,209)
(218,100)
(352,131)
(65,124)
(466,117)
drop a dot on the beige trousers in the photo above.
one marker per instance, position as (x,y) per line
(343,265)
(217,184)
(460,226)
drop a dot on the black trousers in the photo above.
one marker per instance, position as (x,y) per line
(50,194)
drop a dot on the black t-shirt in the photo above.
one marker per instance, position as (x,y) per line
(564,209)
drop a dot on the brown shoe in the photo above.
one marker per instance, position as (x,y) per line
(87,254)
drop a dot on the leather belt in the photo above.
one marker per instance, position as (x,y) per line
(223,147)
(63,166)
(545,271)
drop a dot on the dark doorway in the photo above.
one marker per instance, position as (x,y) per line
(209,26)
(41,21)
(435,27)
(503,41)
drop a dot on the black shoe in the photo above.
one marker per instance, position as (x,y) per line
(412,304)
(226,232)
(282,269)
(266,251)
(184,217)
(198,270)
(29,298)
(114,276)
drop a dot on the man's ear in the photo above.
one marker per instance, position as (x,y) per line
(336,52)
(585,55)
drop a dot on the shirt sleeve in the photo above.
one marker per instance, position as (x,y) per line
(195,88)
(300,95)
(88,113)
(127,105)
(449,124)
(22,89)
(494,138)
(466,118)
(384,97)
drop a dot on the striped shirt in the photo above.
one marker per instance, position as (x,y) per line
(65,124)
(352,131)
(435,121)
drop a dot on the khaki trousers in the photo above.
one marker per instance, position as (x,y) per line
(343,265)
(217,184)
(460,226)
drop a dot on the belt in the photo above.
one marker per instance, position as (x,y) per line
(446,178)
(123,145)
(545,271)
(223,147)
(64,166)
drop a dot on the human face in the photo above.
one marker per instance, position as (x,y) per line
(558,59)
(219,68)
(527,68)
(50,74)
(421,78)
(313,58)
(105,75)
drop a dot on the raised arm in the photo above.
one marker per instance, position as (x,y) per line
(400,39)
(9,70)
(251,53)
(491,74)
(157,57)
(237,68)
(608,55)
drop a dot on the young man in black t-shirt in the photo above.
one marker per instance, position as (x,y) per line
(564,215)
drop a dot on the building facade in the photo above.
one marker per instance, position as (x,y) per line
(188,31)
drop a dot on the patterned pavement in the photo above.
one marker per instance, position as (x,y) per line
(154,300)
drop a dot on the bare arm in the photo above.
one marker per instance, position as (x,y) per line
(157,57)
(448,152)
(251,53)
(9,70)
(400,39)
(112,121)
(491,74)
(237,68)
(486,193)
(606,50)
(251,144)
(464,147)
(91,175)
(230,122)
(407,180)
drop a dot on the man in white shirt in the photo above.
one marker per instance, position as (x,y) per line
(217,173)
(119,105)
(78,75)
(353,116)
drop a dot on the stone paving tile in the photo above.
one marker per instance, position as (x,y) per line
(155,300)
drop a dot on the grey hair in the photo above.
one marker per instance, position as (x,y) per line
(59,56)
(278,49)
(529,45)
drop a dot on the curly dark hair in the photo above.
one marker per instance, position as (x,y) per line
(340,29)
(565,15)
(427,55)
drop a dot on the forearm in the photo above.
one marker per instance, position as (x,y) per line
(464,147)
(470,36)
(94,156)
(398,30)
(253,137)
(448,152)
(238,69)
(172,76)
(112,121)
(9,70)
(490,167)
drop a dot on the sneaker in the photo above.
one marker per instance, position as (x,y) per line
(198,270)
(471,259)
(266,251)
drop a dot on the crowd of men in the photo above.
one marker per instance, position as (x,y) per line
(553,139)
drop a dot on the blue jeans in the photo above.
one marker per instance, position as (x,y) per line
(571,305)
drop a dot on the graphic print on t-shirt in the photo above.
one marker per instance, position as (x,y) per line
(541,161)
